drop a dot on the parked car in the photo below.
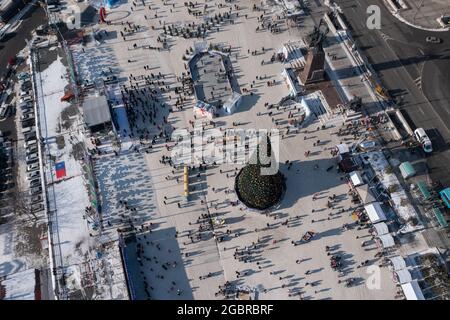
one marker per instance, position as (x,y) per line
(35,190)
(32,167)
(35,183)
(23,76)
(28,129)
(5,111)
(25,105)
(28,123)
(24,93)
(423,139)
(30,136)
(37,207)
(30,143)
(26,99)
(25,85)
(32,158)
(26,117)
(36,199)
(32,149)
(33,174)
(28,111)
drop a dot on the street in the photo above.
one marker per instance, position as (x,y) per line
(413,71)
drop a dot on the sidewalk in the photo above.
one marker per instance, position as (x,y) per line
(346,74)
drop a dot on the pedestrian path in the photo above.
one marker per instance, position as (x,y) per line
(352,82)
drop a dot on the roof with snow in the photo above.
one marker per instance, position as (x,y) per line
(96,111)
(19,286)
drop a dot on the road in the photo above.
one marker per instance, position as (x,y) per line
(11,44)
(414,71)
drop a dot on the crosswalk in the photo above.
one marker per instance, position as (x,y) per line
(385,36)
(418,82)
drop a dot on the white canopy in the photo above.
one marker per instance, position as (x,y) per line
(343,148)
(403,276)
(398,262)
(387,240)
(381,228)
(375,212)
(412,291)
(356,178)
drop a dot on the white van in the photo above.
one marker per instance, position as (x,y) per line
(423,139)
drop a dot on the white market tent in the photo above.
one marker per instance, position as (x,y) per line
(375,212)
(356,178)
(398,262)
(403,276)
(386,240)
(381,228)
(412,291)
(343,148)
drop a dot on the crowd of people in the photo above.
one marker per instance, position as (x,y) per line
(148,100)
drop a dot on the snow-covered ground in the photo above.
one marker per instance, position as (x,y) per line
(124,177)
(20,285)
(74,243)
(51,88)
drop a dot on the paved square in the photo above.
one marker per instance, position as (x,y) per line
(257,252)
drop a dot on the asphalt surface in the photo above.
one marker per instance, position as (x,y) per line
(416,73)
(11,44)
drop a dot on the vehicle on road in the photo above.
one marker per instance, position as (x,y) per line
(431,39)
(423,139)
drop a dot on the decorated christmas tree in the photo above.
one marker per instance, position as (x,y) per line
(255,188)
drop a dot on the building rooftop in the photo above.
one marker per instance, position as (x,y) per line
(96,111)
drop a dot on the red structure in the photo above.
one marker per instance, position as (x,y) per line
(102,14)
